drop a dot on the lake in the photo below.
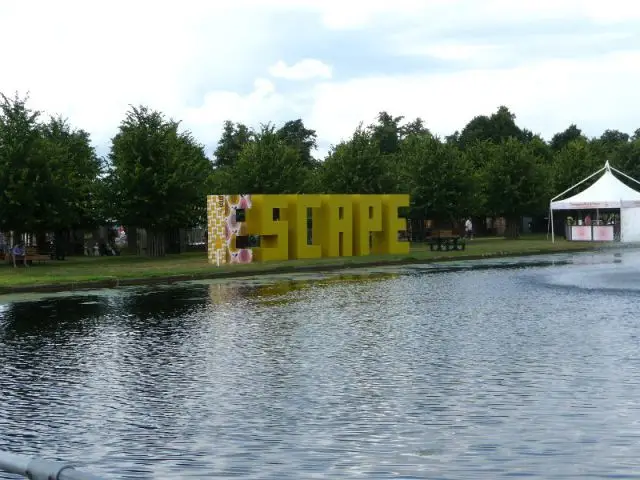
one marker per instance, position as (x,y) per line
(467,370)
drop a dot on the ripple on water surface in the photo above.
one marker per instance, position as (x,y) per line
(411,372)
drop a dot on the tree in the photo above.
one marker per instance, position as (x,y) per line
(541,149)
(613,140)
(24,174)
(48,174)
(158,176)
(497,128)
(576,161)
(387,132)
(562,139)
(443,182)
(626,157)
(74,176)
(234,138)
(294,134)
(358,166)
(516,183)
(479,153)
(268,164)
(222,182)
(415,127)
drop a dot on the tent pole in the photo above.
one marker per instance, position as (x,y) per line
(619,222)
(625,175)
(579,183)
(553,236)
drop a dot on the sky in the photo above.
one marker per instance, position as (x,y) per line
(331,63)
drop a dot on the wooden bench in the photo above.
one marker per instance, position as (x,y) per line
(31,255)
(446,240)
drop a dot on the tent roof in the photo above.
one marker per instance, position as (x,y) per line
(606,192)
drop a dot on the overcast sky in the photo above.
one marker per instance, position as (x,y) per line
(331,63)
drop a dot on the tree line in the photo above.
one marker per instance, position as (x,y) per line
(156,175)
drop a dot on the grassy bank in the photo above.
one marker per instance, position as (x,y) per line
(92,272)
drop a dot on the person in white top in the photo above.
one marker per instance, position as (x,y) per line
(468,228)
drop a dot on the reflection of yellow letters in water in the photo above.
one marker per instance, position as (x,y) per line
(336,226)
(392,224)
(297,218)
(367,220)
(268,218)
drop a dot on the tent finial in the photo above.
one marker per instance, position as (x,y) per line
(606,165)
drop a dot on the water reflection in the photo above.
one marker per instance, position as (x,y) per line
(49,319)
(471,372)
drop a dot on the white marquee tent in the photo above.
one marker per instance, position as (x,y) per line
(608,192)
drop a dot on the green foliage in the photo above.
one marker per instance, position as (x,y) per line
(48,171)
(23,171)
(415,127)
(74,186)
(358,166)
(517,182)
(387,133)
(234,138)
(221,182)
(443,182)
(270,164)
(496,128)
(574,162)
(541,149)
(297,136)
(611,140)
(626,157)
(562,139)
(158,175)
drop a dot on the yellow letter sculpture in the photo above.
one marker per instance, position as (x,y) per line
(367,222)
(392,224)
(298,231)
(244,228)
(269,220)
(336,226)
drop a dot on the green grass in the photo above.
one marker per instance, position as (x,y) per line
(79,270)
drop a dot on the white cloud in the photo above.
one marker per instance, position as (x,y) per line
(546,96)
(197,62)
(438,15)
(89,61)
(303,70)
(260,106)
(473,55)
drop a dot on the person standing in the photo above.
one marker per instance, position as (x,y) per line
(468,228)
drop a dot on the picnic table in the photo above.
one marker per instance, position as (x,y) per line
(446,240)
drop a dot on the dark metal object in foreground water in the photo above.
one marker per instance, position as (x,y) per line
(41,469)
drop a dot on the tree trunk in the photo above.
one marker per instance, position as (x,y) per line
(132,238)
(41,242)
(455,225)
(513,228)
(156,240)
(60,244)
(173,240)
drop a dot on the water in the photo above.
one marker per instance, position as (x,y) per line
(438,372)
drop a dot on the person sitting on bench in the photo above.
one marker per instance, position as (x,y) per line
(18,250)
